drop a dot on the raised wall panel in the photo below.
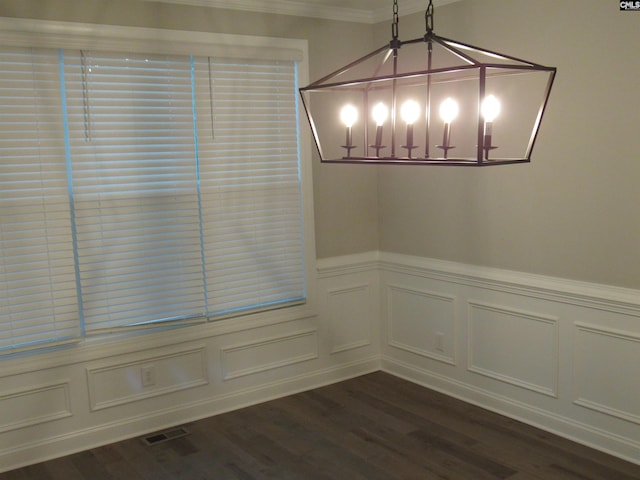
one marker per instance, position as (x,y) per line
(606,376)
(120,383)
(350,317)
(33,406)
(422,322)
(269,353)
(516,347)
(592,400)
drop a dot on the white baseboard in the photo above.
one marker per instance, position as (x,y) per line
(558,354)
(139,425)
(584,434)
(571,351)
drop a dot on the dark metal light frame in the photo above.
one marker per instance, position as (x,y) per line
(438,63)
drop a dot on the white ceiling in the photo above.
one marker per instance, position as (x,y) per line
(364,11)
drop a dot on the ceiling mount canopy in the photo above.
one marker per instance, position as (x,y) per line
(429,101)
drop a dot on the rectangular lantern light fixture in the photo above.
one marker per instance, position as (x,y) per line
(429,101)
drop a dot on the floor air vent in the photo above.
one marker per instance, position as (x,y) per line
(164,436)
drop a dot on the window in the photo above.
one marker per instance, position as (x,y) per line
(146,188)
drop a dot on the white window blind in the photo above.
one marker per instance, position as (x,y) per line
(144,189)
(38,301)
(250,183)
(135,191)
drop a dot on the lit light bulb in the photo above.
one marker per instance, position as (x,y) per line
(410,111)
(349,115)
(449,110)
(380,114)
(490,108)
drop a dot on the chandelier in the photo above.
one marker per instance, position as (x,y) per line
(429,101)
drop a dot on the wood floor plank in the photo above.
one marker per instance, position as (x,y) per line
(374,427)
(439,438)
(437,462)
(61,468)
(516,441)
(142,459)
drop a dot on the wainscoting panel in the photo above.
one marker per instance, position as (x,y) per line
(121,383)
(607,376)
(348,287)
(268,353)
(350,314)
(513,346)
(33,406)
(558,354)
(421,322)
(68,400)
(554,353)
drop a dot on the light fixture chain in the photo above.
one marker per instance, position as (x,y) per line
(429,17)
(394,25)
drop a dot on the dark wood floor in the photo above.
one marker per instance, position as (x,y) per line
(373,427)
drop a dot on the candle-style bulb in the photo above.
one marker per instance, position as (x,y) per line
(490,108)
(449,110)
(410,111)
(380,114)
(349,115)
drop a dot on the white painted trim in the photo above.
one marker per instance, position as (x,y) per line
(605,430)
(556,301)
(248,346)
(94,371)
(63,387)
(450,360)
(19,455)
(350,346)
(44,33)
(579,432)
(119,344)
(301,8)
(596,406)
(552,390)
(339,292)
(88,36)
(348,264)
(284,7)
(346,290)
(573,292)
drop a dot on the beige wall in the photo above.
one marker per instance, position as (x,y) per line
(345,198)
(574,212)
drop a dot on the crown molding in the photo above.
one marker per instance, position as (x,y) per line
(405,7)
(302,8)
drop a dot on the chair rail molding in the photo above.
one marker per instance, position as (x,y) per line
(555,353)
(558,354)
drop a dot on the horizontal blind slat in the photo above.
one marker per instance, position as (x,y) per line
(37,278)
(250,186)
(135,188)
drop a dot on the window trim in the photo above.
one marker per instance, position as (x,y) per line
(45,33)
(88,36)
